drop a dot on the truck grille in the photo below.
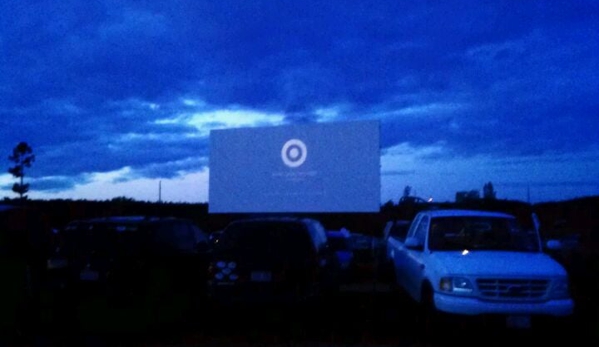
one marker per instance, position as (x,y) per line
(511,289)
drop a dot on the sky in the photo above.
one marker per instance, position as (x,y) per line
(117,98)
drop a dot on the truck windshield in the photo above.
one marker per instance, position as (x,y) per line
(480,233)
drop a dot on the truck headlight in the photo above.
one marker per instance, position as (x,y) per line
(456,285)
(560,288)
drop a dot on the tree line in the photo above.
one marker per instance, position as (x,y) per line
(580,214)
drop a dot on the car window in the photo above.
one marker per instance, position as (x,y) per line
(361,242)
(478,232)
(421,229)
(176,235)
(399,230)
(101,237)
(275,238)
(199,234)
(414,225)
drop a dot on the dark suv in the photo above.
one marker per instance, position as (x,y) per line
(281,260)
(156,263)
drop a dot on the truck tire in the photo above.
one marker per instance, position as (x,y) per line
(429,318)
(437,326)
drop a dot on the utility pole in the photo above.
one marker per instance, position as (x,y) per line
(159,191)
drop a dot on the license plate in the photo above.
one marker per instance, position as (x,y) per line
(518,322)
(57,263)
(89,275)
(261,276)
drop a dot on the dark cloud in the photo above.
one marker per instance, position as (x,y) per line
(57,184)
(583,184)
(52,184)
(108,155)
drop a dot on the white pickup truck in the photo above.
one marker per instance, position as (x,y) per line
(479,263)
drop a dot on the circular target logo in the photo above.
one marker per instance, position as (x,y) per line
(294,153)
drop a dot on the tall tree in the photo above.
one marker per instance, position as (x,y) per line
(23,157)
(407,191)
(489,191)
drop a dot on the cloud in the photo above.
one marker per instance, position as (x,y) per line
(225,118)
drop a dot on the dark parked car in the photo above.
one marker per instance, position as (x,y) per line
(396,229)
(280,260)
(340,243)
(157,264)
(24,249)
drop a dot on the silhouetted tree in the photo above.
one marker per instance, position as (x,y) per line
(122,199)
(388,206)
(473,194)
(489,191)
(23,157)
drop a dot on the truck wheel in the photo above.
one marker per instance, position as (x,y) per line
(429,316)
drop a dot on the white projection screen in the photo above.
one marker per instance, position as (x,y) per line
(319,167)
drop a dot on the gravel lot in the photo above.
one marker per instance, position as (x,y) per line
(364,314)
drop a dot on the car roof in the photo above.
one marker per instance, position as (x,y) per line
(125,219)
(338,233)
(116,219)
(6,208)
(130,221)
(466,213)
(275,220)
(399,222)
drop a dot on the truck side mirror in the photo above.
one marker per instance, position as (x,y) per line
(414,244)
(554,245)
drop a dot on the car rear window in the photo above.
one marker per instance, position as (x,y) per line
(106,238)
(176,235)
(272,237)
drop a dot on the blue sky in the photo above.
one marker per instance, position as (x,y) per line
(117,96)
